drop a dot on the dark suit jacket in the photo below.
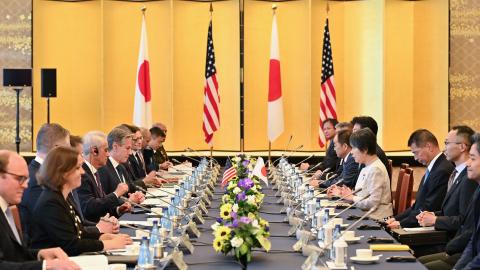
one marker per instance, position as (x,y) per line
(29,199)
(94,205)
(161,155)
(137,167)
(467,223)
(471,255)
(455,204)
(55,225)
(14,256)
(148,157)
(110,180)
(331,160)
(348,171)
(430,194)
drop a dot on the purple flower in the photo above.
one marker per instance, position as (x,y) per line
(233,215)
(220,220)
(246,162)
(235,223)
(267,229)
(241,196)
(245,220)
(245,183)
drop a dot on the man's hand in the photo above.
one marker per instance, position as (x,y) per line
(151,178)
(392,223)
(317,174)
(61,265)
(304,166)
(124,208)
(136,197)
(105,226)
(165,165)
(121,189)
(426,219)
(52,253)
(314,183)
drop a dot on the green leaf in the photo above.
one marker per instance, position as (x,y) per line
(244,249)
(264,242)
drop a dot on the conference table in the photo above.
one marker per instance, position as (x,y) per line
(281,255)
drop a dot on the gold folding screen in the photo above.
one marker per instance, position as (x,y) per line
(390,61)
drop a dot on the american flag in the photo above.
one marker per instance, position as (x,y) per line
(328,100)
(229,172)
(211,115)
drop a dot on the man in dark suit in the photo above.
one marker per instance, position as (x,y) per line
(136,161)
(347,171)
(470,258)
(13,254)
(114,172)
(152,159)
(433,186)
(95,203)
(459,190)
(48,137)
(360,122)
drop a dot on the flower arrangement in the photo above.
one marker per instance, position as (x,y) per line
(240,227)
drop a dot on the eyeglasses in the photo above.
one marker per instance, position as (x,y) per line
(20,178)
(447,142)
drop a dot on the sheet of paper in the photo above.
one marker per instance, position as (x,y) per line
(419,229)
(91,262)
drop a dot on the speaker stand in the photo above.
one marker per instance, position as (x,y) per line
(48,110)
(17,136)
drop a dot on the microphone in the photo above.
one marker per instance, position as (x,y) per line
(288,143)
(158,197)
(176,161)
(191,158)
(313,168)
(352,205)
(188,149)
(291,152)
(343,197)
(147,209)
(305,159)
(331,176)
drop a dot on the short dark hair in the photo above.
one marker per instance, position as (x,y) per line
(466,133)
(132,128)
(344,125)
(49,135)
(117,135)
(332,121)
(366,122)
(475,139)
(364,140)
(343,136)
(157,132)
(421,137)
(75,140)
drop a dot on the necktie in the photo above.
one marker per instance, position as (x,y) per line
(451,180)
(140,161)
(120,174)
(11,222)
(99,185)
(425,177)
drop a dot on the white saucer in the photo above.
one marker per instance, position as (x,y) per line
(352,240)
(370,260)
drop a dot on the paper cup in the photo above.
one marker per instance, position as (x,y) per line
(348,235)
(364,253)
(117,266)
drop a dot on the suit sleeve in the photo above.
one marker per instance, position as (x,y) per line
(466,257)
(94,208)
(452,223)
(350,174)
(30,265)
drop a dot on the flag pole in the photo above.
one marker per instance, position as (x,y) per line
(328,7)
(274,9)
(143,9)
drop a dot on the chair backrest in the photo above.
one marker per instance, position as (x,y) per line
(410,187)
(396,195)
(404,192)
(16,218)
(389,170)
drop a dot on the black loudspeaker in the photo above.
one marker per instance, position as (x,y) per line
(17,77)
(49,82)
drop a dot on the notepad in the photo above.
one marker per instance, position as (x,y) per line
(419,229)
(91,262)
(389,247)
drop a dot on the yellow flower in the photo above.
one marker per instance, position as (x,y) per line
(222,232)
(225,211)
(251,216)
(217,244)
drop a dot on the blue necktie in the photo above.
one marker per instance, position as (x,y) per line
(425,178)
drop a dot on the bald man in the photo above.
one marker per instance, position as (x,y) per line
(13,255)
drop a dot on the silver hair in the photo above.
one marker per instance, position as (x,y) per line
(93,139)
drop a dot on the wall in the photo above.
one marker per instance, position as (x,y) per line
(390,59)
